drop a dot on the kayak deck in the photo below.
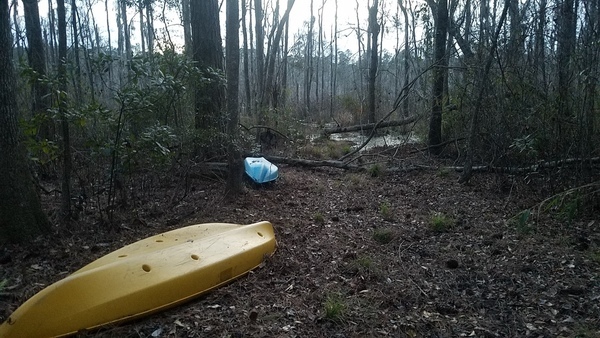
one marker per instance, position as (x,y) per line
(143,277)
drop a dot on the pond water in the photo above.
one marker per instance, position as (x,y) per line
(377,141)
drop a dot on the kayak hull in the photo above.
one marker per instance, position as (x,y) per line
(144,277)
(260,170)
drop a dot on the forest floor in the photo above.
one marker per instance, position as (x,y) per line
(402,254)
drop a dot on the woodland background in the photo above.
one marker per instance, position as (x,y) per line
(481,220)
(508,86)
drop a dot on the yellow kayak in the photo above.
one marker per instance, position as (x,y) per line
(144,277)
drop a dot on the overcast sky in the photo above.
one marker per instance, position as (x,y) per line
(347,21)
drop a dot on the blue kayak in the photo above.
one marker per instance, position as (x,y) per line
(260,170)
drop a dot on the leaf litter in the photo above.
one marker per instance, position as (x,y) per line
(479,277)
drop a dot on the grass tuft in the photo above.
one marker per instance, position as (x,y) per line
(319,218)
(334,308)
(439,222)
(386,211)
(383,235)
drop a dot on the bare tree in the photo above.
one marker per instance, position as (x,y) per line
(270,86)
(334,65)
(187,27)
(374,60)
(308,63)
(247,91)
(406,62)
(62,111)
(260,57)
(482,90)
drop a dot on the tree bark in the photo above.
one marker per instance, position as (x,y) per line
(208,53)
(187,28)
(374,60)
(308,63)
(232,43)
(37,62)
(565,48)
(435,122)
(21,215)
(406,65)
(62,112)
(334,66)
(75,33)
(260,59)
(247,92)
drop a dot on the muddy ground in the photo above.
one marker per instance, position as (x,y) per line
(402,254)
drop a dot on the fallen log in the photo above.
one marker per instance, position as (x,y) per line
(369,126)
(312,163)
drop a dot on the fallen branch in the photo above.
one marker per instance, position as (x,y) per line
(506,170)
(437,145)
(369,126)
(267,128)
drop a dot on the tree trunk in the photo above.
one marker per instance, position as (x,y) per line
(539,63)
(335,63)
(374,31)
(126,33)
(208,53)
(150,27)
(232,43)
(406,66)
(565,49)
(107,34)
(75,33)
(21,215)
(308,71)
(52,34)
(187,27)
(62,112)
(247,92)
(142,27)
(260,61)
(284,79)
(441,29)
(37,62)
